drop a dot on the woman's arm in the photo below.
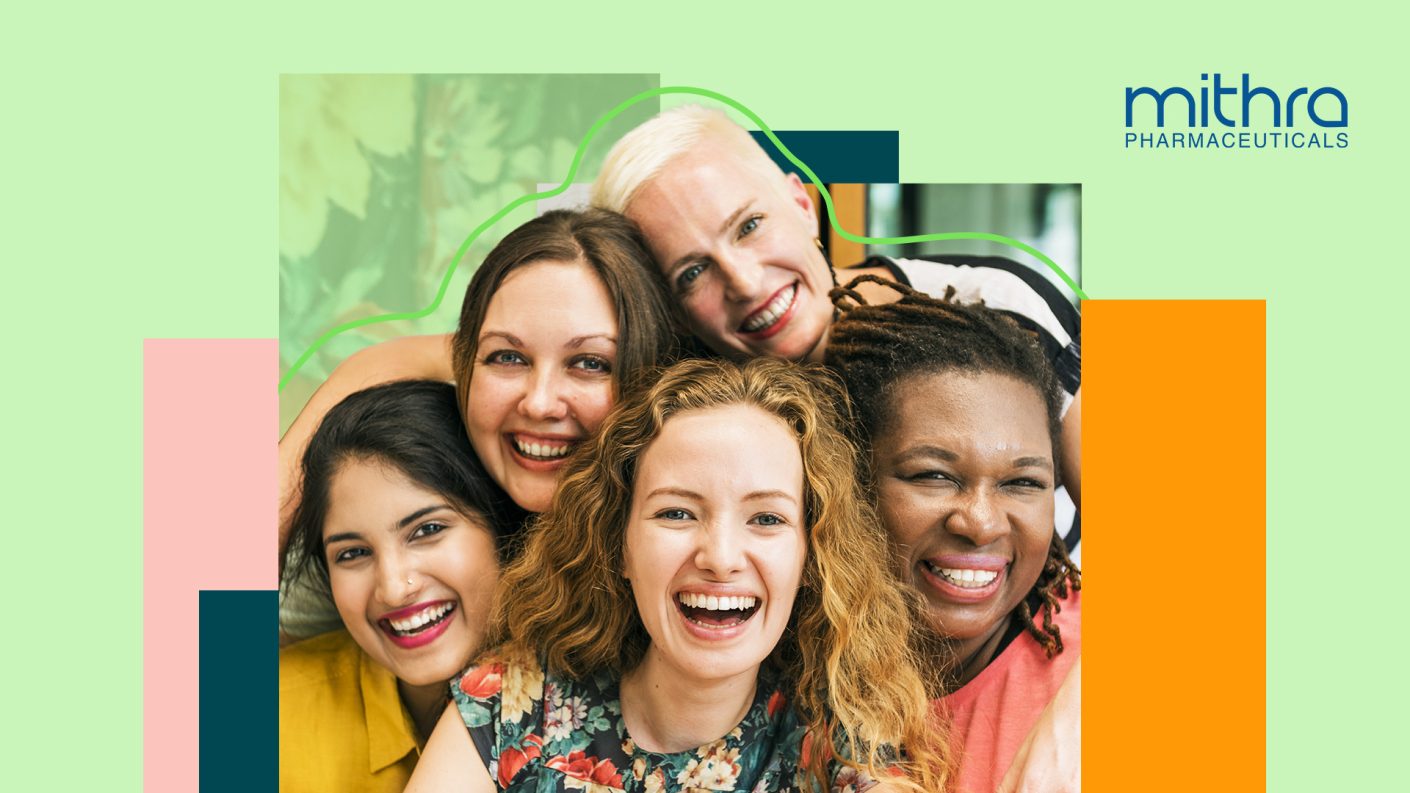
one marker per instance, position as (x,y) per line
(408,358)
(450,761)
(1050,759)
(1072,449)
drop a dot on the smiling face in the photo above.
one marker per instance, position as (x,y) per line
(965,487)
(735,239)
(411,576)
(542,377)
(715,541)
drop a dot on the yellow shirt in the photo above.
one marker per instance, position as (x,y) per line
(342,726)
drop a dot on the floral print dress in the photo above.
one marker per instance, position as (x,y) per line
(541,733)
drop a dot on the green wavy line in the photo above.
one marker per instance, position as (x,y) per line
(573,171)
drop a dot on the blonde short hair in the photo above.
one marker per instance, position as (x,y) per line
(643,153)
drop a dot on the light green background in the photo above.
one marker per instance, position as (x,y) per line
(140,163)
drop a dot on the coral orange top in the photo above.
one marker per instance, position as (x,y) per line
(993,713)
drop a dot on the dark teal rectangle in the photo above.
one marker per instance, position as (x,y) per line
(239,691)
(845,157)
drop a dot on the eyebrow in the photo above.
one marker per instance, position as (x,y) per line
(509,337)
(573,343)
(729,221)
(401,524)
(928,450)
(578,341)
(757,494)
(691,494)
(675,491)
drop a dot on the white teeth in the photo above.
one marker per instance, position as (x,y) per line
(541,450)
(970,579)
(421,618)
(772,311)
(716,602)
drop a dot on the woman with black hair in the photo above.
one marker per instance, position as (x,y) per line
(962,413)
(405,531)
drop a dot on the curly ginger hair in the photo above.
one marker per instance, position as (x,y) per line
(848,652)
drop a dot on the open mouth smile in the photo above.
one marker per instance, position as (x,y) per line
(963,584)
(541,448)
(418,625)
(538,452)
(716,612)
(770,319)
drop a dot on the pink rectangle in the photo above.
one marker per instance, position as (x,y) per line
(210,460)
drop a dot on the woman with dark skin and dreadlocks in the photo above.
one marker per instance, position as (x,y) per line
(960,409)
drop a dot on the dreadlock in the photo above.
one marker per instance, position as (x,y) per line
(875,347)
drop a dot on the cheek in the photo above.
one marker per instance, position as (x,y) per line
(1037,540)
(487,403)
(704,309)
(592,405)
(351,595)
(905,519)
(787,565)
(470,568)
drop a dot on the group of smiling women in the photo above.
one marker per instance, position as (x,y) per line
(693,516)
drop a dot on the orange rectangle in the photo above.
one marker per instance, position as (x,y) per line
(1173,545)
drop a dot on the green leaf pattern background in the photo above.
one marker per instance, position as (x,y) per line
(382,177)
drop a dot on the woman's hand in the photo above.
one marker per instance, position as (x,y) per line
(408,358)
(450,761)
(1050,759)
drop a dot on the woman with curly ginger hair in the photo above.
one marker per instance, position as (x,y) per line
(701,607)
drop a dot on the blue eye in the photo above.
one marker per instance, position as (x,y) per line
(673,514)
(750,225)
(769,519)
(688,276)
(593,364)
(504,357)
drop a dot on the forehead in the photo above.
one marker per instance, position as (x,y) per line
(367,495)
(732,450)
(552,296)
(716,175)
(723,158)
(966,411)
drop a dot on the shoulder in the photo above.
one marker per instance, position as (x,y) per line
(341,724)
(498,690)
(319,662)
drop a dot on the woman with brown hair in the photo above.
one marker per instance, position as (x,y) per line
(558,321)
(700,608)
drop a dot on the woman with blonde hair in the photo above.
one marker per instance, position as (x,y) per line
(703,606)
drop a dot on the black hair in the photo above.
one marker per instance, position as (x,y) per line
(874,348)
(415,427)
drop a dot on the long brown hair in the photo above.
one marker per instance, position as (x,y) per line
(613,247)
(847,652)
